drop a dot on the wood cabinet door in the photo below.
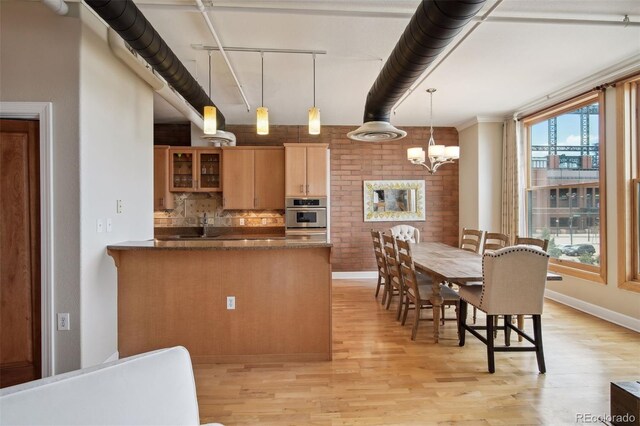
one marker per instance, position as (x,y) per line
(237,179)
(269,179)
(182,170)
(295,171)
(316,171)
(162,198)
(20,340)
(208,170)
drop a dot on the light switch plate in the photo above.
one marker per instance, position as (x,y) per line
(109,225)
(99,226)
(231,302)
(241,221)
(63,322)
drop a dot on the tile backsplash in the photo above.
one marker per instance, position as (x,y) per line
(190,208)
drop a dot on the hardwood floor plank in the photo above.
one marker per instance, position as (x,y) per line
(379,376)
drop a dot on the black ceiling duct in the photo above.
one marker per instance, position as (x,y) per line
(129,22)
(432,27)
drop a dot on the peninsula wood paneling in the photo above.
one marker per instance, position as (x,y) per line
(178,297)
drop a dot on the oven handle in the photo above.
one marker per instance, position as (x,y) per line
(306,209)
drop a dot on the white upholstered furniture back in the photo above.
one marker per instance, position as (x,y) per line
(406,233)
(155,388)
(514,280)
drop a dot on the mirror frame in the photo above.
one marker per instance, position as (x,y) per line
(369,186)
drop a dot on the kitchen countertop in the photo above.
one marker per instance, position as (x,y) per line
(209,244)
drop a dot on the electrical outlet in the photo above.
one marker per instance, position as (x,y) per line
(63,322)
(109,225)
(119,206)
(241,221)
(231,302)
(264,220)
(99,225)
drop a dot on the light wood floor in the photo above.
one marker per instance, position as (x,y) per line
(379,376)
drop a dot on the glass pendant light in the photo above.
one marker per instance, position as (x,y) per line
(262,113)
(210,112)
(314,113)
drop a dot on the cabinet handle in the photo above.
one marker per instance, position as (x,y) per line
(255,202)
(223,201)
(302,189)
(307,189)
(161,201)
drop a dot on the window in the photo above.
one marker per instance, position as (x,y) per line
(628,182)
(565,149)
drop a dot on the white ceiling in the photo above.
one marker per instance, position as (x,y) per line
(499,68)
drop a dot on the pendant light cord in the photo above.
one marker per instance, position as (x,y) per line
(431,140)
(314,80)
(262,95)
(210,75)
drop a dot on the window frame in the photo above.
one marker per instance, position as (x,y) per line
(589,272)
(628,179)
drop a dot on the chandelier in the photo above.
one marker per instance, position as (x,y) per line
(437,154)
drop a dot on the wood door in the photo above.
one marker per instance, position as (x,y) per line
(162,198)
(269,179)
(317,171)
(20,341)
(295,171)
(237,179)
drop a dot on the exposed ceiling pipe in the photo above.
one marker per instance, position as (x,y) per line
(129,22)
(213,32)
(58,6)
(432,27)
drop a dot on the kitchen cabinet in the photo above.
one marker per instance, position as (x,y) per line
(306,170)
(253,178)
(195,169)
(162,197)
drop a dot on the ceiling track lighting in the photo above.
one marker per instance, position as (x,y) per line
(210,112)
(262,113)
(314,112)
(437,154)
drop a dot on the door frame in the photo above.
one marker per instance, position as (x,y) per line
(42,111)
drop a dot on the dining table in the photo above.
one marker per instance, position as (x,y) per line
(447,264)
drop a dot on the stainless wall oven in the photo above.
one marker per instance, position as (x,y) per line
(306,218)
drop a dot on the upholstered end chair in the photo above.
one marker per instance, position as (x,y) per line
(514,280)
(406,233)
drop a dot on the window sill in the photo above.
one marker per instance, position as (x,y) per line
(578,273)
(630,285)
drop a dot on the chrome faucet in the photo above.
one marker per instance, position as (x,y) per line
(204,224)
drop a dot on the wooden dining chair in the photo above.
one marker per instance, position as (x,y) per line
(513,283)
(393,272)
(383,280)
(529,241)
(416,294)
(495,241)
(471,240)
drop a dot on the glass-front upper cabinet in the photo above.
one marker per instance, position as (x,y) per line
(209,170)
(195,170)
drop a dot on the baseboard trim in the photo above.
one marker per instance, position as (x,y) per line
(355,275)
(597,311)
(114,357)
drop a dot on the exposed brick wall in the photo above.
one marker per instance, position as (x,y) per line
(354,162)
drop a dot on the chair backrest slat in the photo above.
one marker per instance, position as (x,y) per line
(381,261)
(471,240)
(529,241)
(495,241)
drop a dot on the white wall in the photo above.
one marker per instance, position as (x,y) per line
(116,159)
(39,62)
(468,178)
(480,174)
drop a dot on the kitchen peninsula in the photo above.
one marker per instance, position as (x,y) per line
(178,293)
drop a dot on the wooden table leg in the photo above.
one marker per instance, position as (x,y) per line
(436,300)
